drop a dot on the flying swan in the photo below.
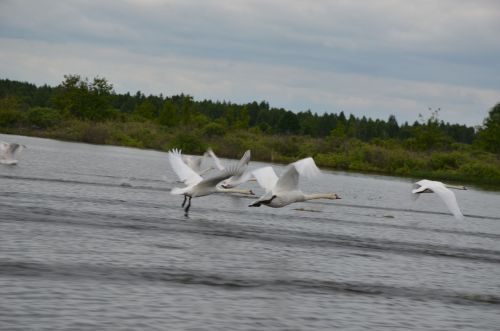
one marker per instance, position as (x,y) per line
(430,186)
(284,190)
(196,185)
(8,152)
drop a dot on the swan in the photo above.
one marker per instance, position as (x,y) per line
(442,190)
(235,180)
(196,186)
(284,190)
(8,152)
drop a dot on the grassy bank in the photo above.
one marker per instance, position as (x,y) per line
(458,163)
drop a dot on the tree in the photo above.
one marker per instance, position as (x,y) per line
(84,99)
(489,135)
(11,111)
(392,126)
(168,114)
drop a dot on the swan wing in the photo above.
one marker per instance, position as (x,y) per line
(245,159)
(449,199)
(289,180)
(234,170)
(218,163)
(266,177)
(307,167)
(186,175)
(239,179)
(14,148)
(4,147)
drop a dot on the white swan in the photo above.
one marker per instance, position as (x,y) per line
(235,180)
(284,190)
(430,186)
(8,152)
(196,185)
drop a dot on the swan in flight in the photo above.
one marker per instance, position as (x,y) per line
(284,190)
(196,186)
(8,152)
(235,180)
(442,190)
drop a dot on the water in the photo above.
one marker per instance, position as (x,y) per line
(91,239)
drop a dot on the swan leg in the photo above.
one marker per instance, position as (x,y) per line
(184,202)
(186,211)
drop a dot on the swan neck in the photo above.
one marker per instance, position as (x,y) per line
(233,190)
(456,187)
(320,196)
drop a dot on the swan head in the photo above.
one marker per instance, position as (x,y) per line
(456,187)
(333,196)
(226,184)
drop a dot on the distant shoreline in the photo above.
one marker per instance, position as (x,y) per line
(443,176)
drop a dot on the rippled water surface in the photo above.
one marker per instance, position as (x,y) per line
(91,239)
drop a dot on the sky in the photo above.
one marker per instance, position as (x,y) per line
(367,58)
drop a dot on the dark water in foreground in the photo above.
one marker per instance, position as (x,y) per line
(91,239)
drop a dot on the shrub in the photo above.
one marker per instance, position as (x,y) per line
(43,118)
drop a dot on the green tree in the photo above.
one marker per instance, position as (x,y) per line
(489,135)
(169,114)
(43,117)
(84,99)
(11,111)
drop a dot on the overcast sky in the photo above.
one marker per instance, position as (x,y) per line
(372,58)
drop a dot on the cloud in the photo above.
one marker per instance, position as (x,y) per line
(373,59)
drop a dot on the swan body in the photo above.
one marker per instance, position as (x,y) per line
(443,191)
(8,152)
(282,191)
(238,179)
(196,185)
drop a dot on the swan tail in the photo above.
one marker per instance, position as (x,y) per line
(178,191)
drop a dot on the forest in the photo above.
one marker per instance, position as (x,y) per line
(89,110)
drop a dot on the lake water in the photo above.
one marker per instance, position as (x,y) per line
(91,239)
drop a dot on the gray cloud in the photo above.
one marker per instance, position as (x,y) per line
(371,59)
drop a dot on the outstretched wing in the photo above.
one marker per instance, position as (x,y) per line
(4,147)
(14,148)
(233,170)
(449,199)
(289,180)
(266,177)
(218,163)
(307,167)
(245,159)
(186,175)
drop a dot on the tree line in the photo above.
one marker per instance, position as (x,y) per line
(23,103)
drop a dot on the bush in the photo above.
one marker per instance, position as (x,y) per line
(443,161)
(214,129)
(188,143)
(43,118)
(11,118)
